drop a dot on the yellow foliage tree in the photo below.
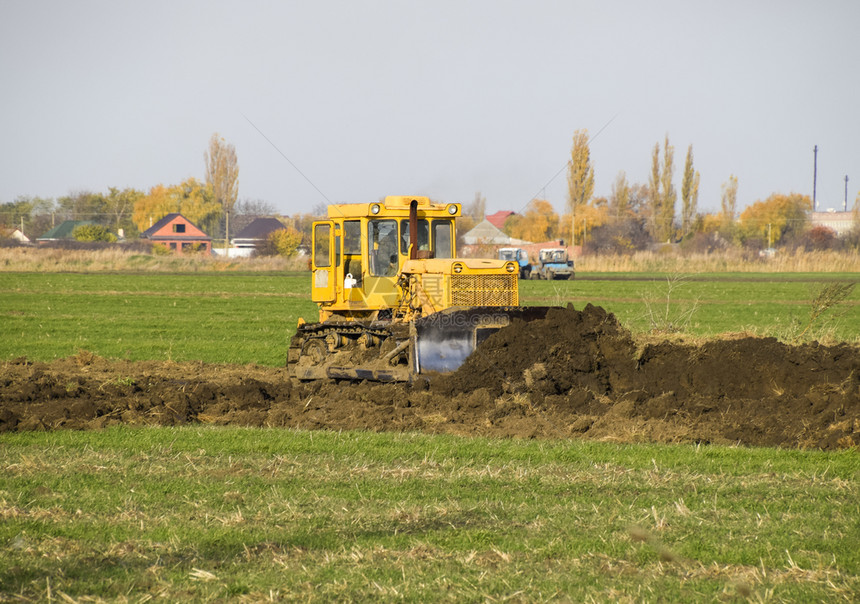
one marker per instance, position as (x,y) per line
(689,193)
(711,223)
(588,217)
(191,198)
(285,241)
(776,216)
(580,174)
(619,201)
(538,223)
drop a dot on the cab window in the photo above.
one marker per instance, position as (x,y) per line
(423,235)
(352,237)
(322,240)
(442,243)
(382,252)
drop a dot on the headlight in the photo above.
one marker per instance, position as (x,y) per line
(374,209)
(452,208)
(458,268)
(510,267)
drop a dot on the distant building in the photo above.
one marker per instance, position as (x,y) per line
(486,233)
(179,235)
(498,219)
(63,231)
(839,222)
(16,234)
(257,233)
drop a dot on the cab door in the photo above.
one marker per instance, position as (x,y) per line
(323,262)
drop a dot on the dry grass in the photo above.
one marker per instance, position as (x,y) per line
(116,259)
(797,261)
(35,259)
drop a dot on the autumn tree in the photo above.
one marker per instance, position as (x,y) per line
(668,196)
(775,219)
(191,198)
(654,198)
(661,192)
(538,223)
(619,200)
(222,175)
(284,242)
(580,176)
(729,200)
(689,193)
(589,217)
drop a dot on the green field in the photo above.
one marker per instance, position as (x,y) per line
(217,514)
(243,318)
(233,514)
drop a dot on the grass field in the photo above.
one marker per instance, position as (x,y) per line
(231,514)
(214,514)
(243,318)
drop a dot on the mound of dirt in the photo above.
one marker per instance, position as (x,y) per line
(573,374)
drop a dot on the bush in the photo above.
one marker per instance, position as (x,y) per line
(819,238)
(93,232)
(703,243)
(283,242)
(620,237)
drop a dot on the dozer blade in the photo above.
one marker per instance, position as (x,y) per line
(445,339)
(373,375)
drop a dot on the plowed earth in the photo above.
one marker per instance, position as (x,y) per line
(575,374)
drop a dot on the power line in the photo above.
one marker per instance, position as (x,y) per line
(567,164)
(295,167)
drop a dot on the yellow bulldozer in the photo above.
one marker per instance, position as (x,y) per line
(394,300)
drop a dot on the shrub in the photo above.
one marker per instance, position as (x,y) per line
(93,232)
(620,237)
(283,242)
(819,238)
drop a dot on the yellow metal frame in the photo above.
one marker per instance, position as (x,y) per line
(418,286)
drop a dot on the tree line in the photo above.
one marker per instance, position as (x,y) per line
(212,204)
(638,216)
(633,217)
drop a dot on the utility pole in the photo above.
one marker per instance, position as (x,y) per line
(814,176)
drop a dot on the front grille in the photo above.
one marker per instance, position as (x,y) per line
(484,290)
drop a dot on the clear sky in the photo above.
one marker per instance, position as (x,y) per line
(439,98)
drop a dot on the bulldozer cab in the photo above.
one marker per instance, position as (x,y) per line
(359,252)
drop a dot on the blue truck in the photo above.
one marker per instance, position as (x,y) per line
(553,263)
(518,255)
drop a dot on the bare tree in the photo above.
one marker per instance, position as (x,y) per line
(477,208)
(222,174)
(729,200)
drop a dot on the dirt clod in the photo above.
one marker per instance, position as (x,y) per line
(574,374)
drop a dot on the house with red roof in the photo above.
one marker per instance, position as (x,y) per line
(178,234)
(498,219)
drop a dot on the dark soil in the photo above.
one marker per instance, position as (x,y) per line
(575,374)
